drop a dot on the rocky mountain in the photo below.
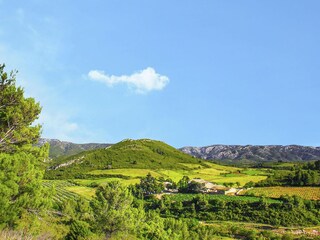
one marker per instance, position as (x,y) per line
(61,148)
(223,153)
(252,154)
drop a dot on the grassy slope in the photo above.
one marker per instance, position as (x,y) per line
(132,154)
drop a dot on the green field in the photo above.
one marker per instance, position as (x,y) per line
(255,172)
(82,191)
(102,181)
(233,178)
(312,193)
(206,173)
(66,190)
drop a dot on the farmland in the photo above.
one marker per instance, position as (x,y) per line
(70,188)
(59,190)
(312,193)
(63,190)
(130,160)
(85,192)
(207,173)
(103,181)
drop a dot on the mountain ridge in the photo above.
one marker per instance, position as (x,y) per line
(60,148)
(254,153)
(224,153)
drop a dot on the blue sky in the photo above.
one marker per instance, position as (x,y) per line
(184,72)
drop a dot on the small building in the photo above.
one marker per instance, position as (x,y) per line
(219,189)
(212,188)
(168,188)
(209,187)
(231,191)
(206,184)
(167,185)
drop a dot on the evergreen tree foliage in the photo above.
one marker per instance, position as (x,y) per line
(20,187)
(149,185)
(20,173)
(17,113)
(183,184)
(79,230)
(112,209)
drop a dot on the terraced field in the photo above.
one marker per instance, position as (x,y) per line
(59,187)
(312,193)
(66,190)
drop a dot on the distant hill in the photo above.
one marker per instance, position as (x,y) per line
(253,154)
(234,154)
(61,148)
(133,154)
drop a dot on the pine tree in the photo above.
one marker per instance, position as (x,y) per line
(21,194)
(112,209)
(17,113)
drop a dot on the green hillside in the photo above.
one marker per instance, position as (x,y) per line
(133,154)
(129,160)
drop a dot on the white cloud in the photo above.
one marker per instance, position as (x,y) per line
(143,81)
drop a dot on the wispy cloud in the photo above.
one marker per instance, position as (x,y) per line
(58,125)
(143,81)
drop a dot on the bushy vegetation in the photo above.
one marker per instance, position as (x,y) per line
(115,213)
(290,211)
(22,198)
(294,177)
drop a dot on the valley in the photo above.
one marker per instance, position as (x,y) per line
(131,160)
